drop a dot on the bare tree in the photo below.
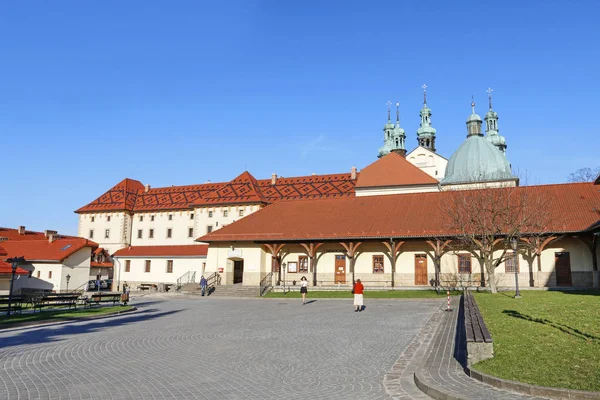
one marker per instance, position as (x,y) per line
(485,220)
(584,175)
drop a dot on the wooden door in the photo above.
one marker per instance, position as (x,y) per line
(340,269)
(562,266)
(420,269)
(238,271)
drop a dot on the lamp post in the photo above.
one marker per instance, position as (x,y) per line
(283,266)
(68,277)
(514,244)
(14,261)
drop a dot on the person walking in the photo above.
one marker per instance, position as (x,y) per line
(303,289)
(203,284)
(358,289)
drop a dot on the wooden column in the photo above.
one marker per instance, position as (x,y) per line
(438,248)
(275,250)
(537,244)
(351,253)
(311,252)
(592,243)
(393,253)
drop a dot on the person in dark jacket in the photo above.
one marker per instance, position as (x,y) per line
(203,284)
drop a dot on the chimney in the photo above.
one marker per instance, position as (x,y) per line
(21,230)
(353,173)
(52,236)
(48,233)
(146,188)
(314,174)
(273,178)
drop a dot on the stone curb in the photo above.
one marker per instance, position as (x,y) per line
(433,392)
(525,388)
(33,324)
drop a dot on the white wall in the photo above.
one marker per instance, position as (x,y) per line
(158,269)
(431,163)
(119,228)
(257,263)
(379,191)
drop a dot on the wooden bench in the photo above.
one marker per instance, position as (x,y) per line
(56,300)
(480,345)
(147,286)
(98,298)
(16,304)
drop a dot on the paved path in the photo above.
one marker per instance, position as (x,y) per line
(204,348)
(442,368)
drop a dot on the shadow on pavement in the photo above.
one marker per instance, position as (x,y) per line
(53,333)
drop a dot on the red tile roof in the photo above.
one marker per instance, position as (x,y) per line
(101,264)
(576,206)
(393,170)
(243,189)
(121,197)
(38,250)
(6,268)
(190,250)
(13,234)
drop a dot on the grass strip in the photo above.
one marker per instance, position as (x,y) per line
(545,338)
(73,314)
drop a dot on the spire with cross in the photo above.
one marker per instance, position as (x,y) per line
(489,92)
(389,105)
(473,104)
(424,94)
(397,114)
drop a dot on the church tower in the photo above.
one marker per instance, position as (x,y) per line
(426,133)
(393,135)
(474,122)
(491,127)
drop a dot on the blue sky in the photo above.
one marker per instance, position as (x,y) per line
(175,93)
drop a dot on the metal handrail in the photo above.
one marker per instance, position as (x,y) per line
(188,277)
(266,284)
(212,281)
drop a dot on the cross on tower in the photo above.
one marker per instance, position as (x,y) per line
(389,105)
(489,92)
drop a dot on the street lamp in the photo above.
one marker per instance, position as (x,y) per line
(283,266)
(514,244)
(68,277)
(15,261)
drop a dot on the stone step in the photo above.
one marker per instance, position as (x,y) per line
(235,291)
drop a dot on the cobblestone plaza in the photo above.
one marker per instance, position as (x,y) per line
(204,348)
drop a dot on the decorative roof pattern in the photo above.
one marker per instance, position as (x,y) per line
(393,170)
(241,190)
(572,207)
(189,250)
(121,197)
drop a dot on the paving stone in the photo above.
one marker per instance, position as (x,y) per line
(208,348)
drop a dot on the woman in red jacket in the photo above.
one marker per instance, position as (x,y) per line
(358,295)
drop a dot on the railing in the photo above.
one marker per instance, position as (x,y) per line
(212,281)
(188,277)
(266,284)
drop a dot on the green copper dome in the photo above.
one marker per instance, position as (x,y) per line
(477,160)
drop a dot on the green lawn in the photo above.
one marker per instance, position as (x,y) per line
(369,294)
(544,338)
(61,314)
